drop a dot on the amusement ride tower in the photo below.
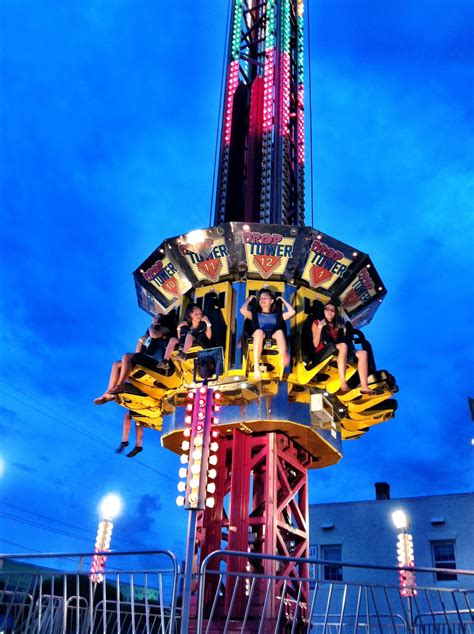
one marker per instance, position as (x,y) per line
(247,442)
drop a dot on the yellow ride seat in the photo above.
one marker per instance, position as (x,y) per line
(381,382)
(134,398)
(148,374)
(347,434)
(240,393)
(357,422)
(378,414)
(153,422)
(271,362)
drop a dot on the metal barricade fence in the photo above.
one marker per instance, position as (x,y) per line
(45,600)
(252,601)
(144,600)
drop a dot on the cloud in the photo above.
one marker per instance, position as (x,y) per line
(143,520)
(24,467)
(10,420)
(396,33)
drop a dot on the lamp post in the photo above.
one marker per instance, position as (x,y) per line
(405,558)
(109,507)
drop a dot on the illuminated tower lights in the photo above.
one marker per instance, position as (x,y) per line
(110,507)
(232,84)
(200,451)
(300,110)
(405,555)
(102,543)
(406,559)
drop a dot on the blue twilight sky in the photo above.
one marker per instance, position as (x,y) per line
(108,120)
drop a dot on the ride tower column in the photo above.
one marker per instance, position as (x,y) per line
(261,180)
(261,161)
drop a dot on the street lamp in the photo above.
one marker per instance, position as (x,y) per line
(109,507)
(400,520)
(405,554)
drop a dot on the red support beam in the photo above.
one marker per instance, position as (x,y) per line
(262,482)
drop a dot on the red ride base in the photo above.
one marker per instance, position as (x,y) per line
(261,508)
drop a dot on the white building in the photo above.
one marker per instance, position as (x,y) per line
(362,532)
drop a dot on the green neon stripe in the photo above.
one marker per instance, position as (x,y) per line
(270,25)
(237,29)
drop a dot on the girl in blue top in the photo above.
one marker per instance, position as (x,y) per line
(267,321)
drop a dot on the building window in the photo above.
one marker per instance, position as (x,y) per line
(444,557)
(332,553)
(313,554)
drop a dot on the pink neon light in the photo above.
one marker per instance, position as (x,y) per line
(229,101)
(268,91)
(300,127)
(285,64)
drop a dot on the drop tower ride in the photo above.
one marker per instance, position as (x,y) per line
(253,495)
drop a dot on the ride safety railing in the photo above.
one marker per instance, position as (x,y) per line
(136,592)
(141,593)
(266,593)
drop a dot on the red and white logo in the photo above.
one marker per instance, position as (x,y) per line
(319,275)
(210,268)
(266,264)
(171,286)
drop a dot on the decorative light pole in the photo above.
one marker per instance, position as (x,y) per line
(110,506)
(406,559)
(199,458)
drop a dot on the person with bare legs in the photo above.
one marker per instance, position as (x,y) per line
(127,419)
(151,344)
(194,330)
(329,330)
(267,321)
